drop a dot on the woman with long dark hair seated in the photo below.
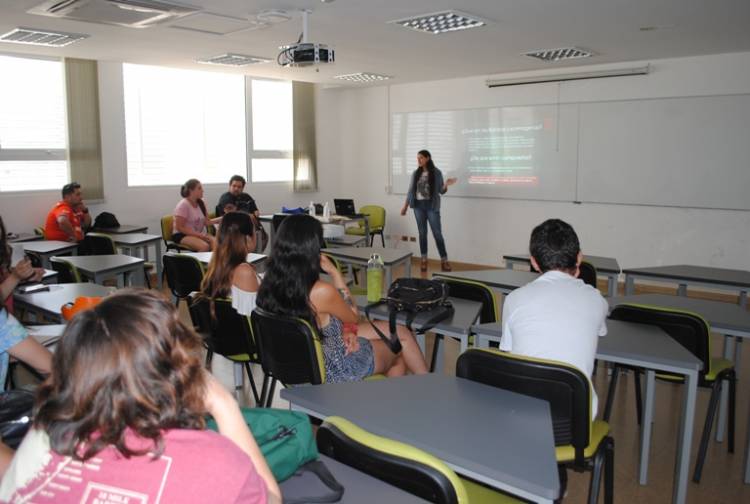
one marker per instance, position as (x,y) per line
(122,417)
(229,274)
(292,286)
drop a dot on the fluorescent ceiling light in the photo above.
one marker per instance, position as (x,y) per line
(363,77)
(48,38)
(591,74)
(233,59)
(441,22)
(559,54)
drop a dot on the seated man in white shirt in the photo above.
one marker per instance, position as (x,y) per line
(557,316)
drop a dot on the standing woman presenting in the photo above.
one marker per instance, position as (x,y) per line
(426,186)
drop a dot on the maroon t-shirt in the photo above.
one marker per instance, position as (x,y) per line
(196,466)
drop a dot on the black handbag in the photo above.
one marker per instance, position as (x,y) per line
(412,296)
(16,408)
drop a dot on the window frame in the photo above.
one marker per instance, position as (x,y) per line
(262,153)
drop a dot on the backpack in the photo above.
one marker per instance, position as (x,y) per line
(106,220)
(412,296)
(16,411)
(286,440)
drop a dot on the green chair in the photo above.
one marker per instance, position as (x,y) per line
(39,231)
(694,333)
(184,275)
(66,272)
(401,465)
(229,334)
(587,273)
(472,291)
(166,234)
(581,444)
(375,219)
(103,244)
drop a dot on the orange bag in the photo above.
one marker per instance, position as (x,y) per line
(81,303)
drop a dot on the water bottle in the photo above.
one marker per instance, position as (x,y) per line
(326,211)
(311,209)
(374,278)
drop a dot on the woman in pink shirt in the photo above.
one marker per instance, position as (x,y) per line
(191,220)
(121,417)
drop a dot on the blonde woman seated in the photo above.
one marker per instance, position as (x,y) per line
(121,417)
(229,274)
(292,286)
(191,222)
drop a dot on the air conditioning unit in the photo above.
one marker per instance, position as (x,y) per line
(130,13)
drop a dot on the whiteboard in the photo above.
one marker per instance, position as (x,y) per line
(685,152)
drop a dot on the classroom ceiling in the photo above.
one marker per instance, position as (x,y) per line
(364,41)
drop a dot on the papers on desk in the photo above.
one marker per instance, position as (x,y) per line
(46,335)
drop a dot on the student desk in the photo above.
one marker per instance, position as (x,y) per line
(724,318)
(333,219)
(652,349)
(130,242)
(684,275)
(458,326)
(48,248)
(23,237)
(494,436)
(346,241)
(122,229)
(49,303)
(99,267)
(505,280)
(205,257)
(607,267)
(359,256)
(359,488)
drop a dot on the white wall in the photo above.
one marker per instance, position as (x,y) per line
(356,124)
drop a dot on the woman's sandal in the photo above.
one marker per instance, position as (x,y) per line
(445,265)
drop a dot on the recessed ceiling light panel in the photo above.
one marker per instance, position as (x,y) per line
(363,77)
(562,53)
(48,38)
(232,59)
(441,22)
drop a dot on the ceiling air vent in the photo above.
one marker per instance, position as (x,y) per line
(129,13)
(232,59)
(441,22)
(562,53)
(33,36)
(363,77)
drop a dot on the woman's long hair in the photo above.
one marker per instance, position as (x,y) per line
(430,174)
(293,268)
(231,251)
(5,251)
(127,364)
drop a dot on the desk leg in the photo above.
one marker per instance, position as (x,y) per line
(743,299)
(407,267)
(159,265)
(685,440)
(729,342)
(612,285)
(646,426)
(629,285)
(388,276)
(682,290)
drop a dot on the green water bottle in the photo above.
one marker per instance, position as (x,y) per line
(374,278)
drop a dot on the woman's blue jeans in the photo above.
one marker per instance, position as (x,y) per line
(424,213)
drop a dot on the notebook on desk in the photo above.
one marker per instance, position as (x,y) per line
(345,207)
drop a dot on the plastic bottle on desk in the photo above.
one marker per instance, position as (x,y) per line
(374,278)
(326,211)
(311,209)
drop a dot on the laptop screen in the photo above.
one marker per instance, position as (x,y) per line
(344,206)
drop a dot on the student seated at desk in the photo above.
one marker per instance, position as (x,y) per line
(292,287)
(122,414)
(229,274)
(557,316)
(191,221)
(69,218)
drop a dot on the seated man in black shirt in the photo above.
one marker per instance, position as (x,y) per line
(236,200)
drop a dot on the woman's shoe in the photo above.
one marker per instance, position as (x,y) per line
(423,265)
(445,265)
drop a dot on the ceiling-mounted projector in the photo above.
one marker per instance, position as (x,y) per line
(304,53)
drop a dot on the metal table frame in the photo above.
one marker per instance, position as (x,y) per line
(130,242)
(99,267)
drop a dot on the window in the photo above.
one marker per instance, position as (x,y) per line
(182,124)
(271,142)
(33,141)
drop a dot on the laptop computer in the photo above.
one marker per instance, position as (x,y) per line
(345,208)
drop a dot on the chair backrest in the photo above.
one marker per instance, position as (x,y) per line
(289,348)
(375,216)
(98,244)
(184,274)
(227,332)
(475,291)
(166,228)
(66,272)
(688,328)
(35,258)
(587,273)
(564,387)
(396,463)
(39,231)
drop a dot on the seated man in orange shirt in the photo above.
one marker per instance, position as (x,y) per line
(69,217)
